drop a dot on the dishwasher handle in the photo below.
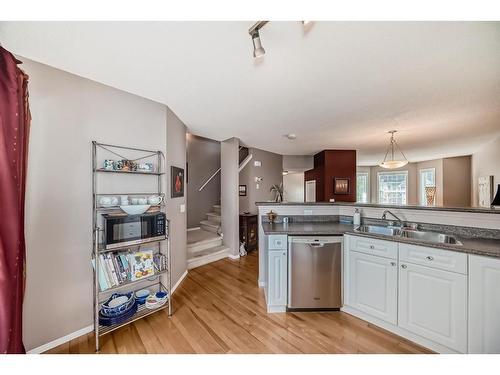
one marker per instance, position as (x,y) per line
(317,244)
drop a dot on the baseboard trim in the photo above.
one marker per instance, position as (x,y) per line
(61,340)
(84,331)
(233,257)
(181,279)
(439,348)
(195,228)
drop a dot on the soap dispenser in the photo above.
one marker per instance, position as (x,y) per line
(357,217)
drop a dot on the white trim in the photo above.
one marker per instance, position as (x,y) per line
(206,259)
(262,284)
(399,331)
(191,229)
(276,309)
(61,340)
(233,257)
(421,192)
(388,173)
(245,162)
(179,282)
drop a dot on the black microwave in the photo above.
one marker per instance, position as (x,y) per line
(120,231)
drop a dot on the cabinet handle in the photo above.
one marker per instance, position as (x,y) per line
(393,264)
(430,258)
(404,266)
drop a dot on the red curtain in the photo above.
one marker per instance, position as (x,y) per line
(14,132)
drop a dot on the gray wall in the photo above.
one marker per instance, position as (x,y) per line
(457,181)
(298,163)
(68,113)
(176,156)
(271,171)
(485,162)
(203,157)
(229,194)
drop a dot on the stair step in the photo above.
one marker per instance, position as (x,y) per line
(209,226)
(215,217)
(207,256)
(217,208)
(200,246)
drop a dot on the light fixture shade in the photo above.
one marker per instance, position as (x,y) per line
(258,50)
(496,200)
(393,164)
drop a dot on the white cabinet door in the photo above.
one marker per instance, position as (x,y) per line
(484,304)
(433,304)
(277,285)
(373,285)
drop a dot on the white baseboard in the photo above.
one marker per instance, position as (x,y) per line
(61,340)
(83,331)
(233,257)
(276,309)
(195,228)
(181,279)
(399,331)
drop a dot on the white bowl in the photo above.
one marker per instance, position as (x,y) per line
(135,209)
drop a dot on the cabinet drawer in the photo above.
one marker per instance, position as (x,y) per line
(277,242)
(435,258)
(381,248)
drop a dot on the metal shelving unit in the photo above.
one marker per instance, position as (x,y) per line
(163,245)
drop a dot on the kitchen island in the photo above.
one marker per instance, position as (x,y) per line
(440,295)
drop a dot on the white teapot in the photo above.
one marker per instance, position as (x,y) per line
(155,200)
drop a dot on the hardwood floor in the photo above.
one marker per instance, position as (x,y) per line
(220,309)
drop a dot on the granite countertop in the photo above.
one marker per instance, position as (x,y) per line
(481,210)
(478,246)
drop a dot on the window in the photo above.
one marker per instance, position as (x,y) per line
(392,187)
(427,178)
(362,187)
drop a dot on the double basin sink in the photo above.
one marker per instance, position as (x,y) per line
(432,237)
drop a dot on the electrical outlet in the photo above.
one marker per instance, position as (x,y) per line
(257,163)
(182,208)
(257,186)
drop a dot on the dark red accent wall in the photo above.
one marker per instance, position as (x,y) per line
(331,164)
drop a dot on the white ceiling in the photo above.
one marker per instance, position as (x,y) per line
(340,85)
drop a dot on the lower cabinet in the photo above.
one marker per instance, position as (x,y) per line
(277,283)
(433,304)
(373,285)
(484,304)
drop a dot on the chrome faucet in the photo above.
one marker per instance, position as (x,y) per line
(384,217)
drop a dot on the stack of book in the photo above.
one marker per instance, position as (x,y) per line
(117,268)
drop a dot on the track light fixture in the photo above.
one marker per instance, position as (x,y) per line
(258,50)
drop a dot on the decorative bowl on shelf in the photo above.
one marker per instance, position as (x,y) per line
(109,321)
(135,209)
(117,304)
(142,295)
(156,300)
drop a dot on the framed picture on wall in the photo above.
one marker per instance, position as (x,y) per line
(242,190)
(341,186)
(176,182)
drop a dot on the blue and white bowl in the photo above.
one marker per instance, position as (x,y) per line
(142,295)
(118,304)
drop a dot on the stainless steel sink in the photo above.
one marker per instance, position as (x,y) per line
(430,237)
(423,236)
(378,229)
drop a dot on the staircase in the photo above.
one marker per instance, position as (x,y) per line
(204,244)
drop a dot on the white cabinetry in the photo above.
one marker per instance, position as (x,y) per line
(433,304)
(277,273)
(484,304)
(373,285)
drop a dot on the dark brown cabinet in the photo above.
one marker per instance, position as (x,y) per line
(249,233)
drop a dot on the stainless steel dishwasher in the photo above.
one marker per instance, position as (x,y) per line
(314,272)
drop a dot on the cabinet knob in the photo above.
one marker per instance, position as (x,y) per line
(393,264)
(284,253)
(404,266)
(430,258)
(372,247)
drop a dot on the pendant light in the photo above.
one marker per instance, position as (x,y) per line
(393,163)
